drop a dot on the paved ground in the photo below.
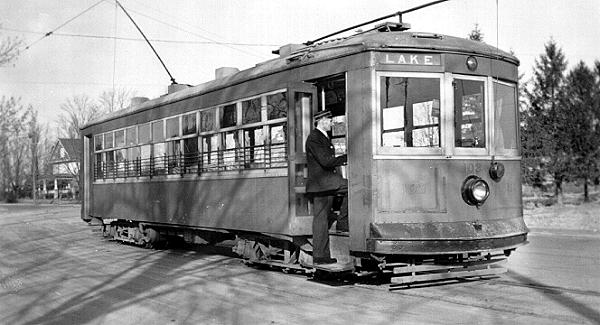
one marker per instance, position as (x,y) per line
(53,270)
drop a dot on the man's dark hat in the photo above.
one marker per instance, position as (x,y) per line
(322,114)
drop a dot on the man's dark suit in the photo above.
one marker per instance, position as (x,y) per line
(324,182)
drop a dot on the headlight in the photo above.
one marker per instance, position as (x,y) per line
(475,190)
(471,63)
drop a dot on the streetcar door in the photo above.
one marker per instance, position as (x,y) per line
(302,103)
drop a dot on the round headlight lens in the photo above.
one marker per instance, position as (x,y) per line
(475,190)
(472,63)
(480,190)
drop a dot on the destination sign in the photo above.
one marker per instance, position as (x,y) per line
(410,58)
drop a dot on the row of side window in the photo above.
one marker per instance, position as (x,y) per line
(246,134)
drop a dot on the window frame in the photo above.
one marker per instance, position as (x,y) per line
(463,151)
(378,111)
(217,164)
(506,152)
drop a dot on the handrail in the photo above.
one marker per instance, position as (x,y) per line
(243,158)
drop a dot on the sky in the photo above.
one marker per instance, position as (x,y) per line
(101,49)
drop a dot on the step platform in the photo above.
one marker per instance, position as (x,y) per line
(339,246)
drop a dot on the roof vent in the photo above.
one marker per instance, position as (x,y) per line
(223,72)
(137,101)
(176,87)
(392,27)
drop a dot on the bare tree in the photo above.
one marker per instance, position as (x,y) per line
(9,49)
(114,100)
(14,144)
(77,111)
(35,131)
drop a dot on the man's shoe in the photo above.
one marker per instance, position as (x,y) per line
(324,260)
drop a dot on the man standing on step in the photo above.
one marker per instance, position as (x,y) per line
(324,183)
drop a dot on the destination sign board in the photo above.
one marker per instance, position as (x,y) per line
(410,58)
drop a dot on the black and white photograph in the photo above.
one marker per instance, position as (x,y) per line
(299,162)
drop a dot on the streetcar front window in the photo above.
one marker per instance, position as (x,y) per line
(410,112)
(469,113)
(505,121)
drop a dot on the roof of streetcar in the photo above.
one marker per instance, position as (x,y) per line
(373,40)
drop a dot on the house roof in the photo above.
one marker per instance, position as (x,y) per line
(72,148)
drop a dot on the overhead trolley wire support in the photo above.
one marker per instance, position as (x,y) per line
(173,82)
(399,14)
(63,24)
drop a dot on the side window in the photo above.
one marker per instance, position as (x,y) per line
(172,127)
(144,133)
(207,120)
(228,116)
(251,111)
(250,133)
(469,113)
(410,112)
(188,123)
(131,136)
(157,132)
(108,140)
(230,145)
(98,142)
(119,138)
(277,106)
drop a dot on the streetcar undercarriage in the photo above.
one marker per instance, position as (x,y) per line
(294,254)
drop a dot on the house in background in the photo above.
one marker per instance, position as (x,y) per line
(64,160)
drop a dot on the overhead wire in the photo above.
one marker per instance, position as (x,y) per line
(193,33)
(138,39)
(175,18)
(114,72)
(180,21)
(63,24)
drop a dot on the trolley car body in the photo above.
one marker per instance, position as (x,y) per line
(418,114)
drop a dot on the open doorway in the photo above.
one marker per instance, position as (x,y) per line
(332,96)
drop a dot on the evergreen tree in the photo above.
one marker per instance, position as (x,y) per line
(580,124)
(476,34)
(542,147)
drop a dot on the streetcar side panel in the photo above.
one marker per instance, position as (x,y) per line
(251,204)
